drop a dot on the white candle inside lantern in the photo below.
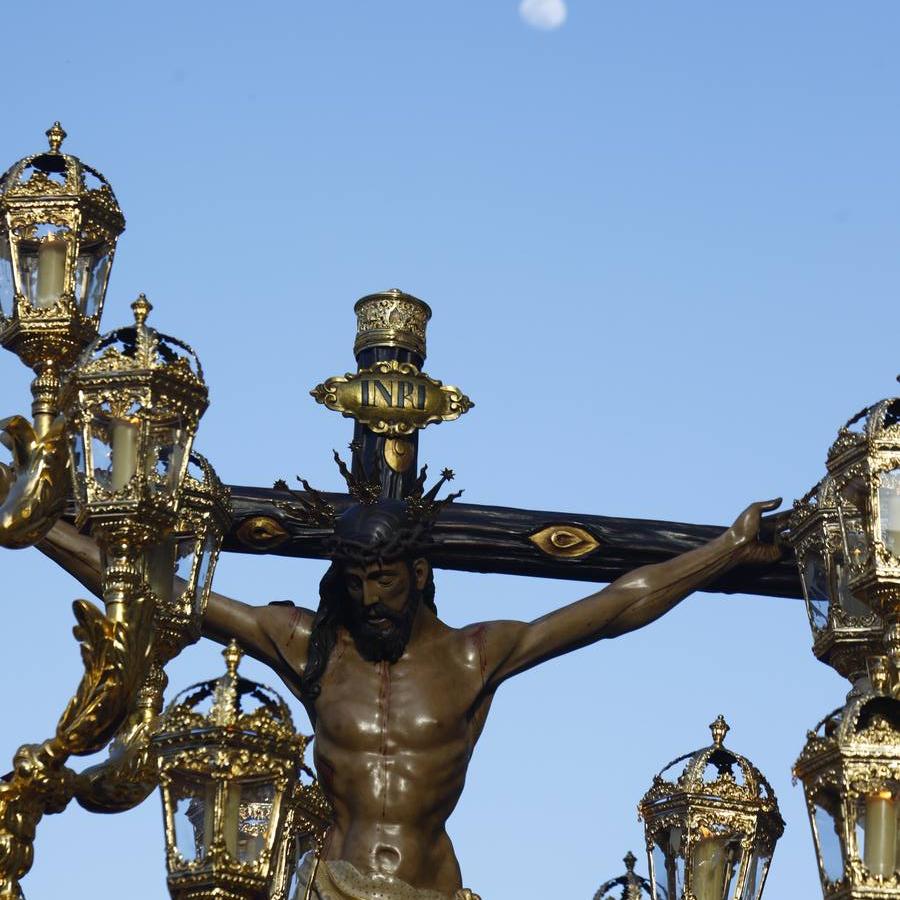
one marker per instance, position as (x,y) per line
(124,454)
(709,867)
(51,270)
(880,833)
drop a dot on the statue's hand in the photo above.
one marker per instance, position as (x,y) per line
(745,534)
(33,489)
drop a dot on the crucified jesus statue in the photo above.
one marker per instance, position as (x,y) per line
(398,698)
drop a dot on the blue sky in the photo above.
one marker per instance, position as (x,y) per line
(661,245)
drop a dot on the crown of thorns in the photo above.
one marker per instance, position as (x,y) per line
(419,510)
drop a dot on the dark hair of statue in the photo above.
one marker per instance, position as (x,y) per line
(329,616)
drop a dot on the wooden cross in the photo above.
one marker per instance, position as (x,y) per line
(391,399)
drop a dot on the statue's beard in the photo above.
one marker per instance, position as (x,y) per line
(377,643)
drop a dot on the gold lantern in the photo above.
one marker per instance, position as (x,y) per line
(864,462)
(629,886)
(179,572)
(238,801)
(180,568)
(133,402)
(846,632)
(711,823)
(850,769)
(59,224)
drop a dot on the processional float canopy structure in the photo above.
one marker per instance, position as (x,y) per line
(711,823)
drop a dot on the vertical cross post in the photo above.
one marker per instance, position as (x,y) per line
(390,327)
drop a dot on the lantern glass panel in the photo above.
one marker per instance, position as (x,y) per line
(184,557)
(91,273)
(7,291)
(303,855)
(169,439)
(667,864)
(757,867)
(828,825)
(41,261)
(815,586)
(849,603)
(248,812)
(297,885)
(204,571)
(79,465)
(192,808)
(876,830)
(856,544)
(889,510)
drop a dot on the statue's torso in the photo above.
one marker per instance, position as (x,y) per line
(393,742)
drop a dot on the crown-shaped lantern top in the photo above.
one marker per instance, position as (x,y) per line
(234,703)
(139,346)
(629,886)
(877,427)
(56,177)
(714,771)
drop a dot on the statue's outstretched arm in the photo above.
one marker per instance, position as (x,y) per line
(629,603)
(261,630)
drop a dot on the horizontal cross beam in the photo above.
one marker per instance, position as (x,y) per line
(473,538)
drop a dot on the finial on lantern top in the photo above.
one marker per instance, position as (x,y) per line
(141,309)
(56,134)
(629,860)
(233,655)
(719,729)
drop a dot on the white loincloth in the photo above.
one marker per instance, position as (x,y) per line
(340,880)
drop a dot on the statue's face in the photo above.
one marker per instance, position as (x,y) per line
(383,602)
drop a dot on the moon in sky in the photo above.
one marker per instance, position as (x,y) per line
(543,14)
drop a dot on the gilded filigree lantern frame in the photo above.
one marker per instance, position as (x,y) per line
(864,462)
(190,554)
(850,770)
(59,226)
(140,394)
(846,632)
(235,804)
(861,460)
(710,837)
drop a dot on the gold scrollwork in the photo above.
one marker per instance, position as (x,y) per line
(565,541)
(391,319)
(113,653)
(33,490)
(392,398)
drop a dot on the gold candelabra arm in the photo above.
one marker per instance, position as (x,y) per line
(130,774)
(114,654)
(33,490)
